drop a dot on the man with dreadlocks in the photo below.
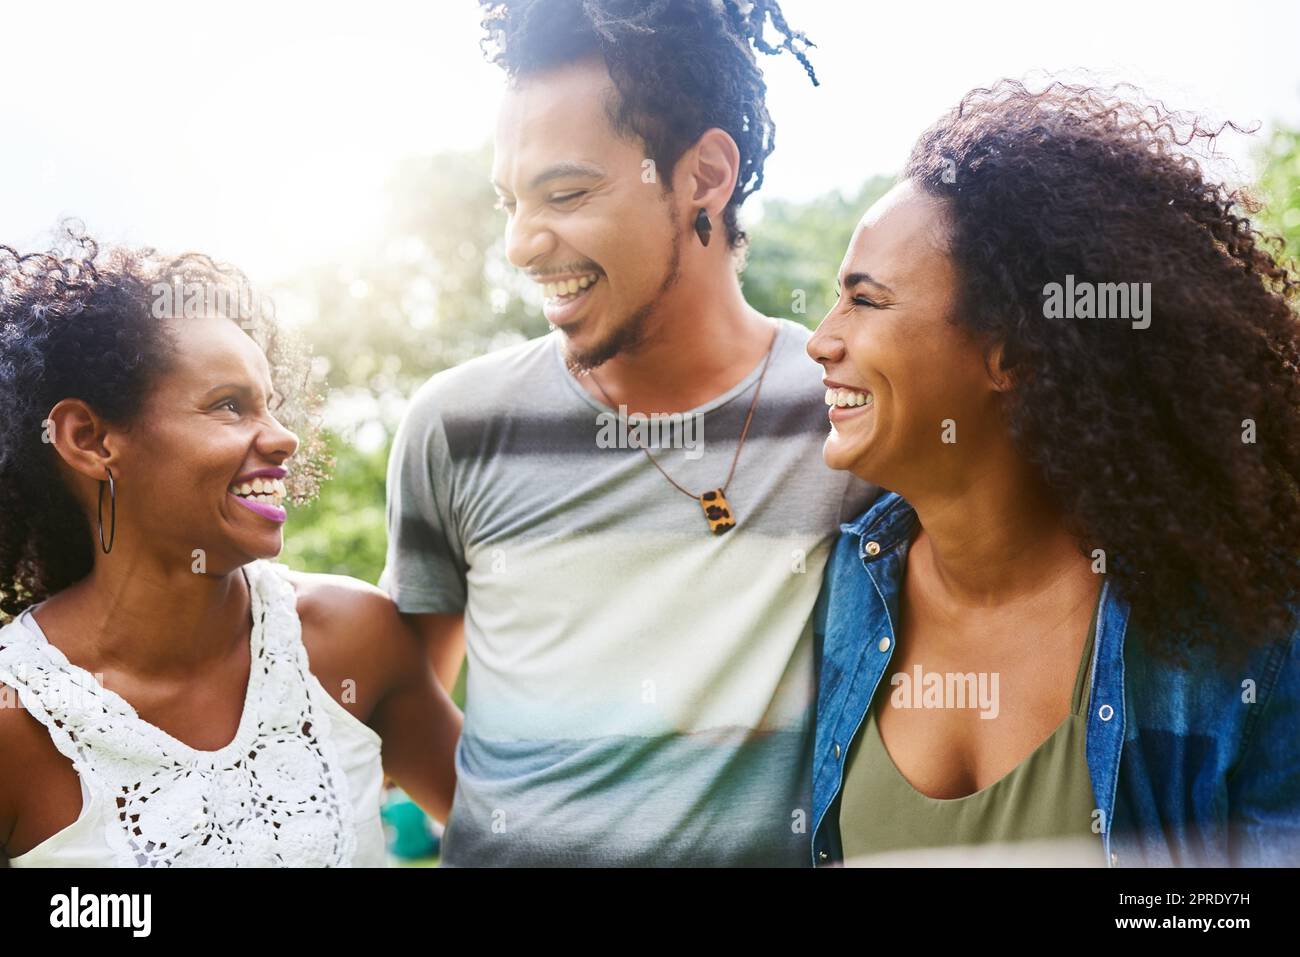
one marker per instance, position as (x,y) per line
(636,614)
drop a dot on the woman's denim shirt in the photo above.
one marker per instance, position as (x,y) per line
(1197,766)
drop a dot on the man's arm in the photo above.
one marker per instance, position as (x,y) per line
(425,569)
(443,639)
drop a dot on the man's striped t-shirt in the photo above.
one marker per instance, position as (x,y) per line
(639,690)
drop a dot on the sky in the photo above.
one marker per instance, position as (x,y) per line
(262,133)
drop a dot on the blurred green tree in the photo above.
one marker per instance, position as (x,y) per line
(1279,186)
(434,291)
(342,531)
(796,249)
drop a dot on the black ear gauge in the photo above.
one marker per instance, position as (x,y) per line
(703,228)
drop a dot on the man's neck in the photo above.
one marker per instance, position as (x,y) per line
(701,341)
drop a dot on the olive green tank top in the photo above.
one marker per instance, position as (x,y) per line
(1039,814)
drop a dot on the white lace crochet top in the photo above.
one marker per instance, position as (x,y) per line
(299,786)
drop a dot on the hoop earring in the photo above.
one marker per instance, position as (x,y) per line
(112,495)
(703,228)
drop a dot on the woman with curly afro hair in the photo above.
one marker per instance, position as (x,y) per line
(168,695)
(1067,633)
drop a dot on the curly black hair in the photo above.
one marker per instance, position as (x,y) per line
(1174,448)
(78,322)
(681,67)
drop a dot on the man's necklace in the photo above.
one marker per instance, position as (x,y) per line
(717,511)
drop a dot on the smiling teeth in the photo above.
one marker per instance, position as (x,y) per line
(568,287)
(847,398)
(264,490)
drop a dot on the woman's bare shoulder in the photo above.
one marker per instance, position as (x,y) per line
(10,732)
(25,751)
(346,608)
(351,630)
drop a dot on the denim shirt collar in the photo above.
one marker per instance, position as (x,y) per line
(888,522)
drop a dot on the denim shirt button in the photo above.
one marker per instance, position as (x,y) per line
(884,643)
(1105,712)
(837,752)
(823,857)
(873,548)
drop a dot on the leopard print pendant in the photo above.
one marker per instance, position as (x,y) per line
(717,511)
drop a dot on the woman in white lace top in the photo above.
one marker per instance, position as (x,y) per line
(168,695)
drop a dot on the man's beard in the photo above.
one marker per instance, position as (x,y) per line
(630,333)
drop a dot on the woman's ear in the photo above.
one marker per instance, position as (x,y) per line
(999,375)
(81,438)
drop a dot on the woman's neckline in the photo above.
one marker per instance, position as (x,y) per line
(1080,690)
(256,639)
(988,788)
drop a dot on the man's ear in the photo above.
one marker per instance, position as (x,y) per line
(1002,379)
(82,438)
(710,171)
